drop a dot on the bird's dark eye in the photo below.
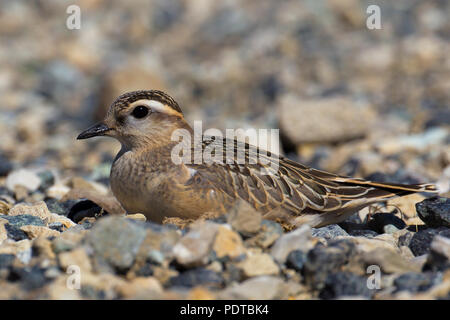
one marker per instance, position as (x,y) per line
(140,112)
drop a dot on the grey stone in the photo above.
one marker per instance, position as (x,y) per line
(299,239)
(116,241)
(196,277)
(296,260)
(345,284)
(23,220)
(417,282)
(421,241)
(435,212)
(329,232)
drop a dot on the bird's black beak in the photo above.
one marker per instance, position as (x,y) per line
(98,129)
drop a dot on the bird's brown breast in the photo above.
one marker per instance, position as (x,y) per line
(151,184)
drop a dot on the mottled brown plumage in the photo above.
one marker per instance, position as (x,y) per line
(145,179)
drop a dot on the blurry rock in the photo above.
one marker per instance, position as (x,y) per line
(5,166)
(197,277)
(363,233)
(23,177)
(194,247)
(31,278)
(78,183)
(296,260)
(77,257)
(439,257)
(108,203)
(21,249)
(58,191)
(23,220)
(244,219)
(38,210)
(156,248)
(328,232)
(58,207)
(299,239)
(441,245)
(385,240)
(164,274)
(4,207)
(201,293)
(15,233)
(141,288)
(435,212)
(385,223)
(6,260)
(47,179)
(41,211)
(39,231)
(259,264)
(416,282)
(69,239)
(417,142)
(341,284)
(439,118)
(56,219)
(42,247)
(228,244)
(399,176)
(322,261)
(259,288)
(3,231)
(116,241)
(269,233)
(421,241)
(85,209)
(389,261)
(324,120)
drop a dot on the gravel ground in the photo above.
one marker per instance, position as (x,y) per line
(367,103)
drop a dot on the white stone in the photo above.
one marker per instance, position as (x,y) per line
(23,177)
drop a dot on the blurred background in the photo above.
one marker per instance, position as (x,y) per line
(369,103)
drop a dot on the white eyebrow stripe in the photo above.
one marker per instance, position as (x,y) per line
(157,106)
(153,104)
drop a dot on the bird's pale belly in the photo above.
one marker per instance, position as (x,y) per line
(157,196)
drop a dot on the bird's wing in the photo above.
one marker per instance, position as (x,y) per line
(268,181)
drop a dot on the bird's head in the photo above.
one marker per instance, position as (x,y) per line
(139,119)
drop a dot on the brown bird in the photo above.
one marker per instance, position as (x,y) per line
(147,178)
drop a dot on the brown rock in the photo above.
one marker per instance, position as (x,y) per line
(324,120)
(4,207)
(389,261)
(108,203)
(163,274)
(76,257)
(259,264)
(141,288)
(3,233)
(21,249)
(244,218)
(259,288)
(228,244)
(38,209)
(194,247)
(199,293)
(39,231)
(44,247)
